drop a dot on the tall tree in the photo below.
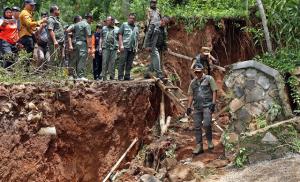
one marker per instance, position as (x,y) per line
(265,25)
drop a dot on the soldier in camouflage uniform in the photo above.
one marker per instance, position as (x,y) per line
(202,94)
(109,42)
(83,44)
(57,37)
(128,43)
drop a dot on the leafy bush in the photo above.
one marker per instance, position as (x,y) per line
(241,159)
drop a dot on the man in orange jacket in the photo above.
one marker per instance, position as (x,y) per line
(28,25)
(8,37)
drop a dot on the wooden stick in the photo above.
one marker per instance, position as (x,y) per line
(164,129)
(120,160)
(295,119)
(162,116)
(180,55)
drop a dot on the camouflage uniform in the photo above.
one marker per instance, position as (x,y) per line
(81,30)
(58,54)
(110,46)
(130,43)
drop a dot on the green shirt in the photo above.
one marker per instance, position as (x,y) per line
(109,36)
(130,35)
(212,84)
(82,30)
(56,26)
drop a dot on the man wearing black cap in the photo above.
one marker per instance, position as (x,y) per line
(28,25)
(83,45)
(202,94)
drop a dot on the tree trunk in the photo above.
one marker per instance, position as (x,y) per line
(265,25)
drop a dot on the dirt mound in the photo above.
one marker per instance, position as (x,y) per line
(95,123)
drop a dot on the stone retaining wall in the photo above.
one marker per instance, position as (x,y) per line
(257,90)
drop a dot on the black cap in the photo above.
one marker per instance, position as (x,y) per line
(32,2)
(6,8)
(99,26)
(15,8)
(45,14)
(89,15)
(198,67)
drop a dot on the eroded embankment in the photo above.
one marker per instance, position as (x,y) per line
(95,123)
(229,41)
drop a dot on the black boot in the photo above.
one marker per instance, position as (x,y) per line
(198,149)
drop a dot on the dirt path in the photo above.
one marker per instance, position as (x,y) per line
(285,169)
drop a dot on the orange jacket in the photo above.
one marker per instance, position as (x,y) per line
(9,32)
(93,43)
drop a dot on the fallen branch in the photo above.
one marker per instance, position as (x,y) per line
(120,160)
(293,120)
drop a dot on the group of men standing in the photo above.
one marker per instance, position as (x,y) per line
(71,46)
(51,43)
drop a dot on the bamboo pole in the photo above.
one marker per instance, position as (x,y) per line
(120,160)
(162,116)
(293,120)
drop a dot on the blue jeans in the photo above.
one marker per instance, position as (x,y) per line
(7,51)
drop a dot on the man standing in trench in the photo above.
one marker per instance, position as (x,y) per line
(202,94)
(206,59)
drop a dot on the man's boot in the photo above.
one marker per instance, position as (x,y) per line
(198,149)
(210,145)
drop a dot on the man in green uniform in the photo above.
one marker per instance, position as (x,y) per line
(156,43)
(202,94)
(128,43)
(109,42)
(57,36)
(83,44)
(70,47)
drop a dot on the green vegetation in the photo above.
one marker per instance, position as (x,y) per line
(21,71)
(261,121)
(241,158)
